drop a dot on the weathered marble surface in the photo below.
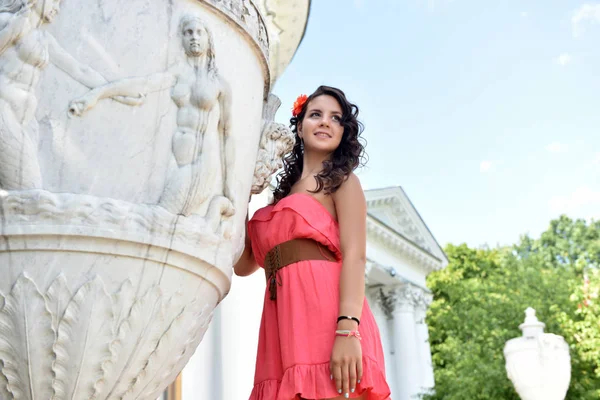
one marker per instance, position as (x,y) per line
(129,137)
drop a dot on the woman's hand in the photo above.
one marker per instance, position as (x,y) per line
(131,101)
(346,364)
(82,104)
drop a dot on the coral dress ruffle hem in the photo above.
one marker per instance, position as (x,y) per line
(297,329)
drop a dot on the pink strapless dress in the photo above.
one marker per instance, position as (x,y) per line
(297,329)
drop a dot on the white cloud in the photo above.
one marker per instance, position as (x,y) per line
(485,166)
(524,14)
(587,13)
(564,59)
(557,147)
(584,201)
(596,160)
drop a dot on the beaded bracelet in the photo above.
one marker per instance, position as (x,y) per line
(342,317)
(347,333)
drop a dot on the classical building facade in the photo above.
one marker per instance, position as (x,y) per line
(401,252)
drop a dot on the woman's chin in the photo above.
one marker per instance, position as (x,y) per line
(321,149)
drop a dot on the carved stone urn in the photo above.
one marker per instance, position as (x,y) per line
(129,134)
(538,363)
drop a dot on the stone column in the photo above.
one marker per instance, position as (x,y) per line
(423,300)
(405,342)
(378,306)
(125,173)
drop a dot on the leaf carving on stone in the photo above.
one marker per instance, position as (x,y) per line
(87,344)
(122,303)
(82,348)
(185,342)
(58,296)
(4,395)
(162,352)
(139,333)
(26,337)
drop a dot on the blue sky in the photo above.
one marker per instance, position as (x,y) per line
(486,113)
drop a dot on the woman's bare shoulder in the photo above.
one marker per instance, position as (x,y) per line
(350,188)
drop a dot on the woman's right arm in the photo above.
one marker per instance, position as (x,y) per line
(137,87)
(247,264)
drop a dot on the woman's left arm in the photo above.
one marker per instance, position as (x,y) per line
(351,208)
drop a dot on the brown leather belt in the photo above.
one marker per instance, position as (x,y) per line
(290,252)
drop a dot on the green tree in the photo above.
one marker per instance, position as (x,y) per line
(583,332)
(480,298)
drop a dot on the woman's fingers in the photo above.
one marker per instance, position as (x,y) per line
(359,371)
(337,376)
(353,376)
(346,378)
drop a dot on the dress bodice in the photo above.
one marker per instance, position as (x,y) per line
(296,216)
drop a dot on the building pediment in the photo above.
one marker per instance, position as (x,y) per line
(393,218)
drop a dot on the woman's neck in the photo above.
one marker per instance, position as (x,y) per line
(312,164)
(199,63)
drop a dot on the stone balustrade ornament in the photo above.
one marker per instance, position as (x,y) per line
(538,363)
(128,136)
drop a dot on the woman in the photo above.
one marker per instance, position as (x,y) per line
(25,50)
(312,243)
(196,89)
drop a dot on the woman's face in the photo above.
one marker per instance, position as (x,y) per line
(321,128)
(195,39)
(47,9)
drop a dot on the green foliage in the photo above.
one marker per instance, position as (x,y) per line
(480,299)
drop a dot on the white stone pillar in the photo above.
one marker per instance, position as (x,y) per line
(422,335)
(405,343)
(376,296)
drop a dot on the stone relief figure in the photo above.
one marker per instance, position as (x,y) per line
(25,50)
(196,89)
(276,140)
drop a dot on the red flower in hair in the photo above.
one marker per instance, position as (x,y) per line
(298,104)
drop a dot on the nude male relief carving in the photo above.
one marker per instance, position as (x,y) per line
(25,50)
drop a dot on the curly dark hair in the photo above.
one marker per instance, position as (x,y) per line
(348,156)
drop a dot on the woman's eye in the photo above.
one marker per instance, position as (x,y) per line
(337,118)
(314,114)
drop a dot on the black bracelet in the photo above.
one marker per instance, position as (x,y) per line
(348,317)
